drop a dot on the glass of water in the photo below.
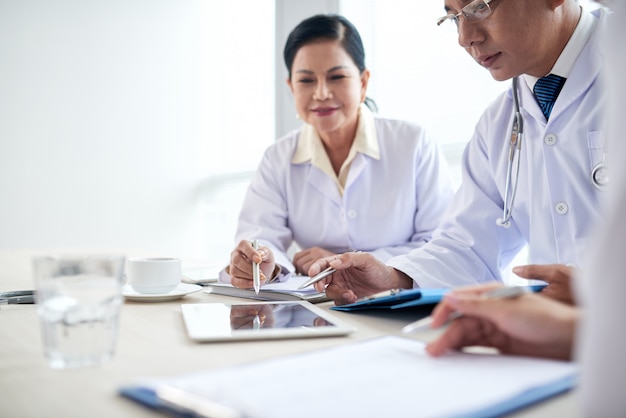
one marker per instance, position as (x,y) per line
(78,302)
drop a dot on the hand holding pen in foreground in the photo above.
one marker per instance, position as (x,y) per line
(528,324)
(502,292)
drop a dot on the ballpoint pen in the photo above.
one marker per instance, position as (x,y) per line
(256,322)
(500,293)
(319,276)
(256,271)
(382,294)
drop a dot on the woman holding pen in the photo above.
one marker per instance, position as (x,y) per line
(347,180)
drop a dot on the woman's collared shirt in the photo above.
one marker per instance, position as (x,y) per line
(395,190)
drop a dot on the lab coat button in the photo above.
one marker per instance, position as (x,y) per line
(561,208)
(550,139)
(352,214)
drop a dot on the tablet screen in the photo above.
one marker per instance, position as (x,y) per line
(259,320)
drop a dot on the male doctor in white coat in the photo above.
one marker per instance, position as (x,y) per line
(556,202)
(591,335)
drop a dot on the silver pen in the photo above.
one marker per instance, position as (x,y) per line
(378,295)
(256,270)
(319,276)
(499,293)
(256,323)
(322,274)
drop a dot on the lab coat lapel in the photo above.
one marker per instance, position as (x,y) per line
(324,184)
(578,81)
(356,168)
(529,104)
(582,76)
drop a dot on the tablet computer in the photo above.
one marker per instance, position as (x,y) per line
(260,320)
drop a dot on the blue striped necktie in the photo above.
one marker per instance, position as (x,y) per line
(546,90)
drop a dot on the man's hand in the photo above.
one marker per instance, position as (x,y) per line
(558,277)
(358,274)
(531,325)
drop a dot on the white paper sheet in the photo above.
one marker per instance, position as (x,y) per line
(383,377)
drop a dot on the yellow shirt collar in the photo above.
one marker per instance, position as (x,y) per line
(310,147)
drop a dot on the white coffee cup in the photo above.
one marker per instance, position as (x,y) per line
(153,275)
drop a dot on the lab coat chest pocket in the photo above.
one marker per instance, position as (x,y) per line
(595,142)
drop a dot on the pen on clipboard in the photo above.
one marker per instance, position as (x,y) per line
(500,293)
(378,295)
(319,276)
(256,270)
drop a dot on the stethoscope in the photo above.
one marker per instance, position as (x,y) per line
(515,148)
(599,173)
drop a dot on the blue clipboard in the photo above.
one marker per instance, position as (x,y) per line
(397,299)
(405,298)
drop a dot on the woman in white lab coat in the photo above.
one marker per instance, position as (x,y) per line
(347,180)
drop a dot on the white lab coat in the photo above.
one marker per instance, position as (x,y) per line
(389,206)
(556,204)
(602,341)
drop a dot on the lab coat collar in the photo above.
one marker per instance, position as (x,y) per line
(580,76)
(311,149)
(584,30)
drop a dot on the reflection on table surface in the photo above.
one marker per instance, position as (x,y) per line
(273,316)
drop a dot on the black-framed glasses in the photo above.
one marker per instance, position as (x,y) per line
(473,12)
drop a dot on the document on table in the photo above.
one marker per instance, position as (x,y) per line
(286,290)
(387,376)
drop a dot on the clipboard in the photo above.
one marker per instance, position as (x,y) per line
(405,298)
(396,299)
(484,385)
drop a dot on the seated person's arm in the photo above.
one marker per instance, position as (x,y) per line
(530,325)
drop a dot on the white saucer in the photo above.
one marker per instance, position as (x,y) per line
(181,290)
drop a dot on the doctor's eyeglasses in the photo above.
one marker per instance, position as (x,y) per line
(473,12)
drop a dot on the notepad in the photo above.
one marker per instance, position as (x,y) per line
(277,291)
(383,377)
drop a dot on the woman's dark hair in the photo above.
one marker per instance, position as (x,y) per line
(330,27)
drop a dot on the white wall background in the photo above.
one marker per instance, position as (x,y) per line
(115,116)
(135,125)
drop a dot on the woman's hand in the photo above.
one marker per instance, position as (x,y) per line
(241,259)
(304,259)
